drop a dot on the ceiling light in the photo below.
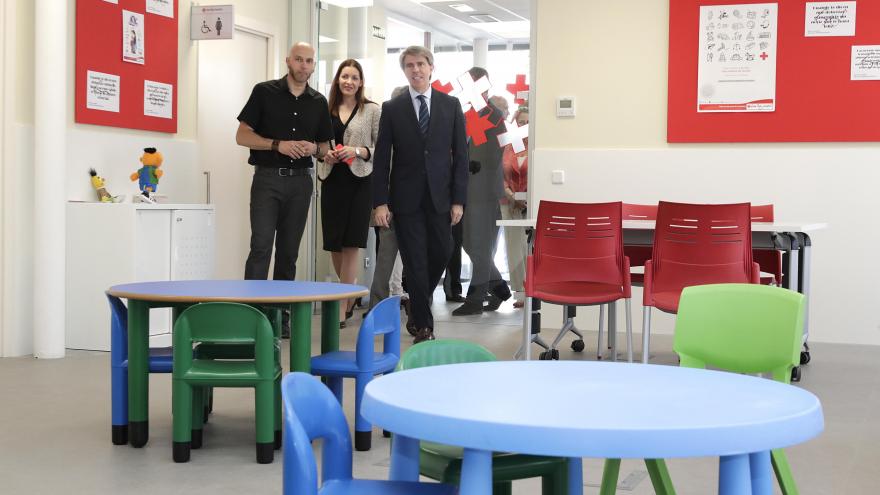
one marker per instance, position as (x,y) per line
(483,18)
(326,39)
(461,7)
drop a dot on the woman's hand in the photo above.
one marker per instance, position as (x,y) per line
(345,153)
(330,158)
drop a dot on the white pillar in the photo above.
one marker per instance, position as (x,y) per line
(50,194)
(358,32)
(481,52)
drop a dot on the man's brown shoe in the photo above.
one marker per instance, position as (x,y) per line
(424,334)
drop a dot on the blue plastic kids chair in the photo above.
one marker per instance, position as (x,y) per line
(364,363)
(310,412)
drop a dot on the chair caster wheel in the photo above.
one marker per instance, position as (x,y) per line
(548,355)
(795,374)
(805,357)
(577,345)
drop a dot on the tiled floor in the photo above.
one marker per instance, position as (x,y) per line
(55,426)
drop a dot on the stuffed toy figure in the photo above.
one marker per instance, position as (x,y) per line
(148,175)
(98,184)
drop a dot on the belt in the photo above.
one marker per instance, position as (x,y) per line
(283,172)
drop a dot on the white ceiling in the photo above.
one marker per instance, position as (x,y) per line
(449,26)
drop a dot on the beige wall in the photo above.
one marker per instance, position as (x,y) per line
(615,149)
(112,151)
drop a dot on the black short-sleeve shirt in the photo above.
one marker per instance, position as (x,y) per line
(274,113)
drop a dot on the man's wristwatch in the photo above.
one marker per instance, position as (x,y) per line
(275,144)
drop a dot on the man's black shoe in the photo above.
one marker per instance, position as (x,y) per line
(468,308)
(454,298)
(494,303)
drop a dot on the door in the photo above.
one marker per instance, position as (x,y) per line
(228,71)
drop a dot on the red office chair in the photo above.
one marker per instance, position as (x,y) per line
(770,260)
(696,245)
(578,260)
(638,255)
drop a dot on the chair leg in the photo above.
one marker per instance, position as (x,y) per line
(660,476)
(334,383)
(265,413)
(612,329)
(783,472)
(610,474)
(556,481)
(181,410)
(502,488)
(646,334)
(198,416)
(363,429)
(119,404)
(601,326)
(629,331)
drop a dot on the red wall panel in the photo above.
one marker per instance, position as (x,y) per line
(815,98)
(99,48)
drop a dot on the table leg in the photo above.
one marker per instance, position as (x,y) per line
(762,477)
(806,247)
(734,475)
(404,459)
(329,326)
(575,476)
(138,372)
(301,337)
(476,472)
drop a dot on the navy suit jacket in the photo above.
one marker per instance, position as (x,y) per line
(405,160)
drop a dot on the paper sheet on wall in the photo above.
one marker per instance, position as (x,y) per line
(132,37)
(102,91)
(161,7)
(865,63)
(157,99)
(830,19)
(737,64)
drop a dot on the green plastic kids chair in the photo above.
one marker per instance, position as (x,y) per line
(443,462)
(741,328)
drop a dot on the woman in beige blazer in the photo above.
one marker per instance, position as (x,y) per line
(346,172)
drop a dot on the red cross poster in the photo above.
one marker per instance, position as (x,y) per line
(737,64)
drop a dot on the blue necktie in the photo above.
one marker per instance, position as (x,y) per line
(423,115)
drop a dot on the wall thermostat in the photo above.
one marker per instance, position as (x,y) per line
(565,106)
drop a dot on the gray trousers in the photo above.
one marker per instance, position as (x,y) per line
(480,242)
(380,288)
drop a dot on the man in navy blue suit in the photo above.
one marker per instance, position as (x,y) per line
(422,185)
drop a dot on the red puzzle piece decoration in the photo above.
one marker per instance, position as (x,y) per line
(515,88)
(476,126)
(443,88)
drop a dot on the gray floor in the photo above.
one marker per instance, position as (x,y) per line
(55,427)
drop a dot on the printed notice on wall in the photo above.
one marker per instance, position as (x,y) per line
(157,99)
(132,37)
(102,91)
(830,19)
(865,63)
(161,7)
(737,65)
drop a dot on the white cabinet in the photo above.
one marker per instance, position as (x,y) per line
(110,244)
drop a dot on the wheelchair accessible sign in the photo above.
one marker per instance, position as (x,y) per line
(211,22)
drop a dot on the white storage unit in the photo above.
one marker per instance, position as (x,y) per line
(109,244)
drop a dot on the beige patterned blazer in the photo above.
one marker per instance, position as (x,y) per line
(361,132)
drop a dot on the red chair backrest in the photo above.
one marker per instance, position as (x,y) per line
(701,244)
(639,212)
(579,242)
(762,213)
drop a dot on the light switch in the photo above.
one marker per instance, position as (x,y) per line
(558,177)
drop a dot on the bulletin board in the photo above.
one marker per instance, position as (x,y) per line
(815,99)
(100,34)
